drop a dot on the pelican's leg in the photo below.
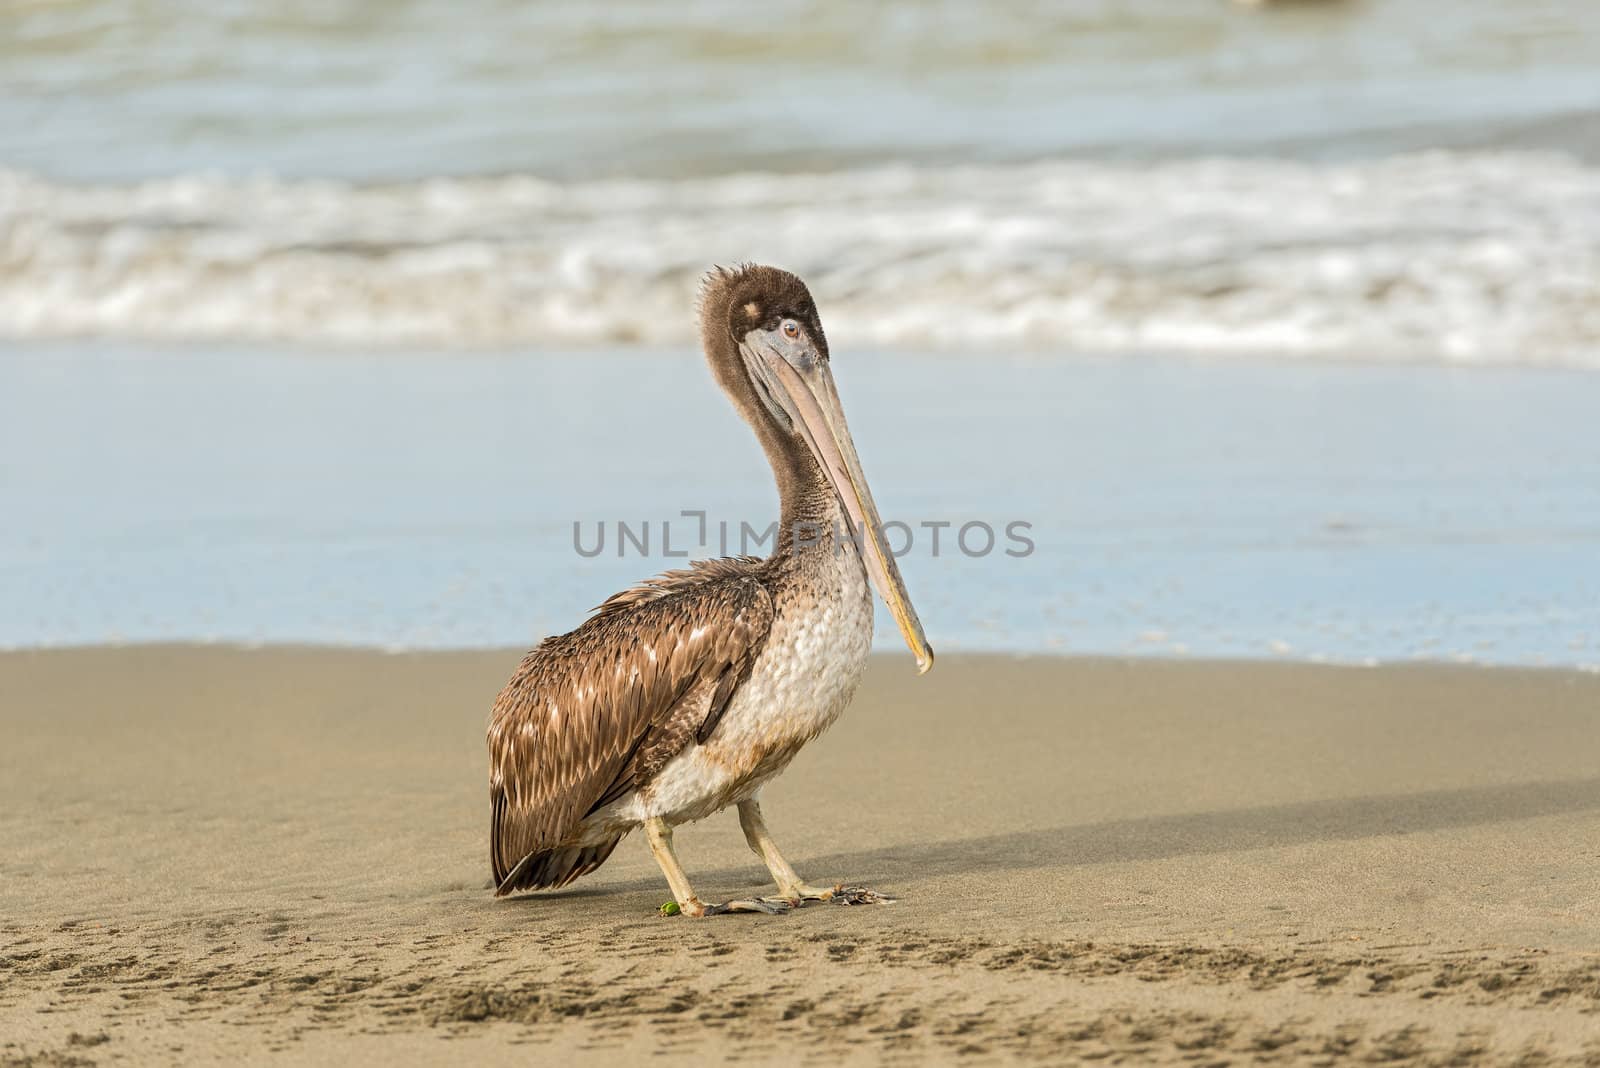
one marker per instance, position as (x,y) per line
(790,886)
(660,836)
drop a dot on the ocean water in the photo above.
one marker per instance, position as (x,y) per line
(325,322)
(1485,258)
(369,90)
(420,500)
(1357,179)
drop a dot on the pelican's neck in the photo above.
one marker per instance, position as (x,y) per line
(806,498)
(815,547)
(808,509)
(809,516)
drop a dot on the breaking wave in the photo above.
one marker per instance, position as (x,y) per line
(1488,257)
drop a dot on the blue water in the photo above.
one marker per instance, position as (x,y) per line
(116,89)
(1406,179)
(413,499)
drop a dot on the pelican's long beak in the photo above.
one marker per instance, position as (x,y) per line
(813,403)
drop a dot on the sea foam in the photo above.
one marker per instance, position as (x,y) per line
(1470,258)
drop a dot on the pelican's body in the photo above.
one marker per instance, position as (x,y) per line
(804,676)
(686,694)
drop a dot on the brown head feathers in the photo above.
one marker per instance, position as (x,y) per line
(753,296)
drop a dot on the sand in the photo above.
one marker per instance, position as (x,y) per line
(279,854)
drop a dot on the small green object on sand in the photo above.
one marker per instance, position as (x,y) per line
(670,908)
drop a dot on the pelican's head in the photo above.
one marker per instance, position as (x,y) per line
(766,344)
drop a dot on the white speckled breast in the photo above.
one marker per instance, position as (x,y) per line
(805,676)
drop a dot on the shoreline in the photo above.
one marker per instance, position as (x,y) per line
(1155,657)
(1031,351)
(211,853)
(1228,529)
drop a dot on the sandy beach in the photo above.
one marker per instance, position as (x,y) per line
(225,854)
(1225,374)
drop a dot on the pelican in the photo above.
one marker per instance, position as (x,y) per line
(691,691)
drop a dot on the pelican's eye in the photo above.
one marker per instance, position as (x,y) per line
(791,329)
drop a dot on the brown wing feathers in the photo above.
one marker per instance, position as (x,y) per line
(591,715)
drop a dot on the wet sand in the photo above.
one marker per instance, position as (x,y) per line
(218,854)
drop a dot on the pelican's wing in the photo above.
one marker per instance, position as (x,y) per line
(591,715)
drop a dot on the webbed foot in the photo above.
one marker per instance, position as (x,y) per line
(839,895)
(859,895)
(765,906)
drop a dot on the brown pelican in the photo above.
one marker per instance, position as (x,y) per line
(688,692)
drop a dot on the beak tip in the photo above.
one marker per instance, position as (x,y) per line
(925,662)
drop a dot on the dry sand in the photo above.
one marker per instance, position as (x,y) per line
(213,854)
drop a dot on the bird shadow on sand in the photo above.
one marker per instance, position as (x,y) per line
(1163,837)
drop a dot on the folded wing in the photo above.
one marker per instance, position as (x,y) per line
(591,715)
